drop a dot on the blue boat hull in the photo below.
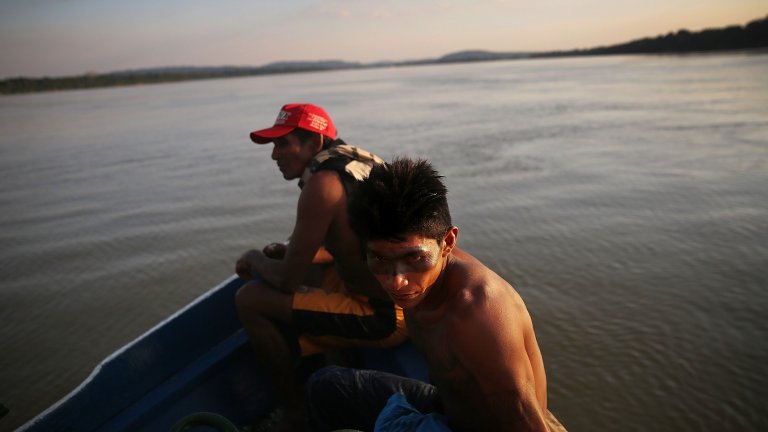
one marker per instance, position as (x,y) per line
(198,360)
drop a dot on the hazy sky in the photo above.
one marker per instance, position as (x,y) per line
(71,37)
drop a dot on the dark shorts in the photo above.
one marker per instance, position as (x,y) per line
(342,398)
(331,317)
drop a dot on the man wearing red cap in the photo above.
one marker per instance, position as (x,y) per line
(287,310)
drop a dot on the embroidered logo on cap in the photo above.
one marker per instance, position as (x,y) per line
(318,122)
(282,117)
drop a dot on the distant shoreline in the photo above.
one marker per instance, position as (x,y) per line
(750,37)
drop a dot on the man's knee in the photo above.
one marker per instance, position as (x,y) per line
(326,393)
(326,380)
(255,297)
(245,296)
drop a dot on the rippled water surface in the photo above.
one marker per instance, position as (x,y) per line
(626,198)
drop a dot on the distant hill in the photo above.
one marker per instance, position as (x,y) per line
(162,75)
(750,36)
(479,55)
(185,70)
(301,66)
(224,71)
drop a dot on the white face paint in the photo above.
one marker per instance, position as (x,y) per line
(405,269)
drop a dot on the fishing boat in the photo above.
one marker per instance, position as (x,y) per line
(195,367)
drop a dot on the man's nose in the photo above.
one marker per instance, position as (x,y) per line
(274,153)
(396,281)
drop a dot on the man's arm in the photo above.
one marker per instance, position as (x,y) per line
(487,337)
(278,250)
(317,207)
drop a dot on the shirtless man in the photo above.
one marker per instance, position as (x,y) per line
(470,324)
(286,311)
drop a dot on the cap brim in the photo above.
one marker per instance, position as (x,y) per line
(268,135)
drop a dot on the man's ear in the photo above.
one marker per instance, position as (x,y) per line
(450,240)
(317,142)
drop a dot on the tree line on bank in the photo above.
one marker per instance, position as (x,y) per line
(750,36)
(753,35)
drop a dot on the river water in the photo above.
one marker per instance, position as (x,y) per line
(626,198)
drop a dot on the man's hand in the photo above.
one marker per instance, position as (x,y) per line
(275,250)
(249,262)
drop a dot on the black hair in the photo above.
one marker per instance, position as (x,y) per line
(304,135)
(398,199)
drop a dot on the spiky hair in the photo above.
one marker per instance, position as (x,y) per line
(400,198)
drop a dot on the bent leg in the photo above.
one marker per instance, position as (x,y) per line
(260,309)
(331,317)
(341,398)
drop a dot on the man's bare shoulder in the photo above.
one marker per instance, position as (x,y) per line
(322,194)
(323,184)
(475,288)
(320,205)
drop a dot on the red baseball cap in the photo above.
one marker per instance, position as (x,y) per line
(292,116)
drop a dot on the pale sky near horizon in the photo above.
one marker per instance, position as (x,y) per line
(72,37)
